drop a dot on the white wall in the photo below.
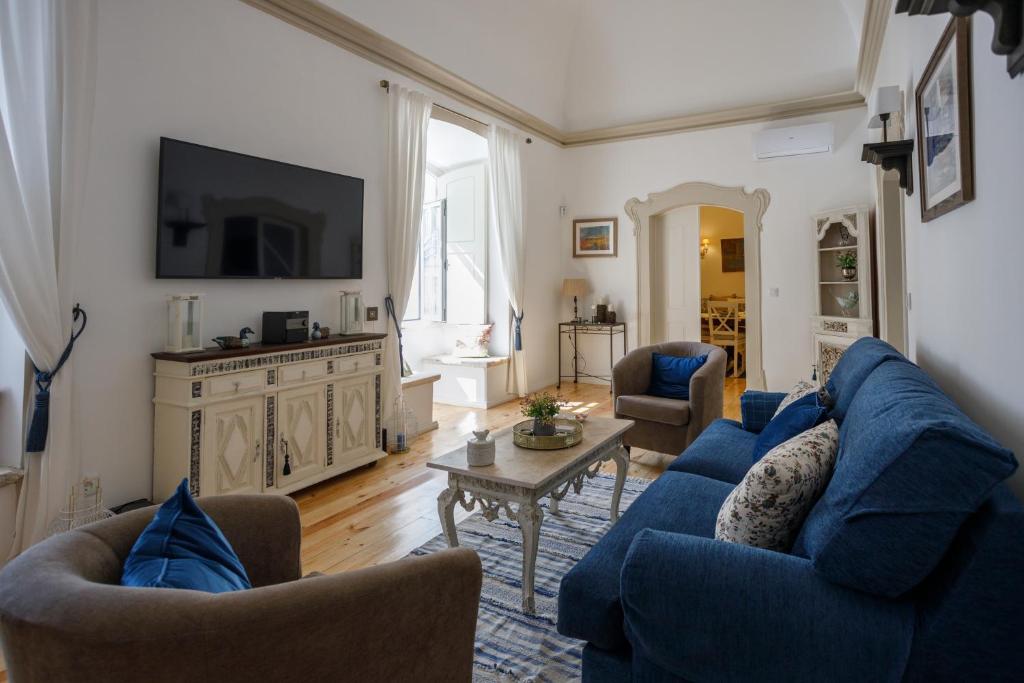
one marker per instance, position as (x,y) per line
(12,394)
(964,268)
(227,75)
(605,176)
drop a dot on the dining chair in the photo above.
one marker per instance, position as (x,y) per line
(724,330)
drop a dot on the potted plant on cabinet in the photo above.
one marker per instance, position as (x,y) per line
(542,408)
(846,261)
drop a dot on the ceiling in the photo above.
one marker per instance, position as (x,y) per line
(590,64)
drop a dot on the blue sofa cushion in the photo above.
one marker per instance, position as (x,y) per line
(722,452)
(670,375)
(796,418)
(911,468)
(758,407)
(183,548)
(854,366)
(589,604)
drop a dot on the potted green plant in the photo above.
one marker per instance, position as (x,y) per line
(542,408)
(846,261)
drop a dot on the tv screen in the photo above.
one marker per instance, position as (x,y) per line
(229,215)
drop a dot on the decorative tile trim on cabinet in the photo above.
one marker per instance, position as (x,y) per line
(330,425)
(835,326)
(271,440)
(193,457)
(251,362)
(197,389)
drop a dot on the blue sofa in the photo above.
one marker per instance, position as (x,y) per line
(910,567)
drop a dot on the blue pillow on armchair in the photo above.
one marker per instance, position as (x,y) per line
(183,548)
(670,375)
(796,418)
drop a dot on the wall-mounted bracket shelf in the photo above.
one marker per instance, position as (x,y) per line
(890,156)
(1008,15)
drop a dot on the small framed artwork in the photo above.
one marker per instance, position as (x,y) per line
(945,135)
(595,237)
(732,255)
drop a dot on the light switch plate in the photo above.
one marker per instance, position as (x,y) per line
(371,313)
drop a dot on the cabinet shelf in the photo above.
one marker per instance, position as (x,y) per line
(848,247)
(839,282)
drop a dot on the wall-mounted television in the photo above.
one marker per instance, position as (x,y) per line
(228,215)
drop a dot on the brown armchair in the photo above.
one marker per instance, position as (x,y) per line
(663,424)
(64,616)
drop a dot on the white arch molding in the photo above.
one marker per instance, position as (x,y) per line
(753,206)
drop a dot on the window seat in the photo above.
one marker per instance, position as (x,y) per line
(10,475)
(469,382)
(418,390)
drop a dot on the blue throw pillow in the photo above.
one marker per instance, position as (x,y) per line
(796,418)
(670,375)
(183,548)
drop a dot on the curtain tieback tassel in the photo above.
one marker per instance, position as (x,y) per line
(518,339)
(39,427)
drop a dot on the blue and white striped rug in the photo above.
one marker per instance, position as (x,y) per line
(511,645)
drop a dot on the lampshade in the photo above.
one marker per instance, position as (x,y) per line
(886,100)
(574,286)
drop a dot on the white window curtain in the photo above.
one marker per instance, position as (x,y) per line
(47,81)
(408,117)
(507,217)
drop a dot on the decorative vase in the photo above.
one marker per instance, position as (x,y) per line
(849,273)
(543,427)
(480,449)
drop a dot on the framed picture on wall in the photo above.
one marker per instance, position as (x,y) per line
(732,255)
(595,237)
(945,136)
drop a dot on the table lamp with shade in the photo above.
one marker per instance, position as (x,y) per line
(575,287)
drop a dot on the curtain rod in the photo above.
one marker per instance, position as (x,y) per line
(387,86)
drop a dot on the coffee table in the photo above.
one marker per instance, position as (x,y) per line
(522,477)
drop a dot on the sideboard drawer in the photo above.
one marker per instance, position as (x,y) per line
(350,365)
(235,384)
(303,372)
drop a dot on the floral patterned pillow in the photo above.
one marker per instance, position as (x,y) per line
(801,389)
(768,507)
(473,341)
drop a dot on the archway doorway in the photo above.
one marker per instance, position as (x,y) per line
(646,216)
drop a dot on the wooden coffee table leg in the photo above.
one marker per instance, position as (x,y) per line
(446,511)
(621,458)
(530,516)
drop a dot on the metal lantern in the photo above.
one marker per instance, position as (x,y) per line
(351,312)
(184,322)
(401,427)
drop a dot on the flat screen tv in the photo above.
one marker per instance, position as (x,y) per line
(228,215)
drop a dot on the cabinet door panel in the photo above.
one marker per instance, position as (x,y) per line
(301,434)
(232,459)
(356,419)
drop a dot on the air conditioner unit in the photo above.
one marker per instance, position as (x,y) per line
(813,138)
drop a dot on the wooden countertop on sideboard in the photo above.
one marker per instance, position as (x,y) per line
(257,348)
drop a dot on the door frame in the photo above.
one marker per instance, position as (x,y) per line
(753,206)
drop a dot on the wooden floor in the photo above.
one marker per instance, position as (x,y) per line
(382,512)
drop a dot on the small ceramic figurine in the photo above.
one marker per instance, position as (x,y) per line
(480,449)
(241,335)
(316,331)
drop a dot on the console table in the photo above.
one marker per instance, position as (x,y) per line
(267,418)
(572,330)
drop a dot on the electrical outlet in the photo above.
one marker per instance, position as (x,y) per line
(90,485)
(371,313)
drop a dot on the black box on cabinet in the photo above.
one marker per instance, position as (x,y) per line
(285,327)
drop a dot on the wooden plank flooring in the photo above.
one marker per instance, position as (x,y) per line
(382,512)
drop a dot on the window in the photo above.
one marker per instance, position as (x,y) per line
(450,282)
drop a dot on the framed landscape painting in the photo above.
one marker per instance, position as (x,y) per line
(595,237)
(944,129)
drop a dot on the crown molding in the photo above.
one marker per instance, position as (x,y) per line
(715,119)
(334,27)
(872,33)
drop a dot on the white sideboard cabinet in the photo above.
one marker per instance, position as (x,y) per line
(266,418)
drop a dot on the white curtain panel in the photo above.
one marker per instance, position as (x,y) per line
(47,81)
(408,117)
(507,216)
